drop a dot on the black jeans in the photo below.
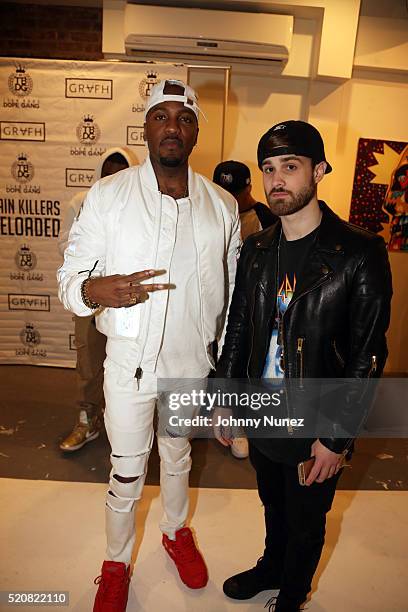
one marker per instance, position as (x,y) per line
(295,521)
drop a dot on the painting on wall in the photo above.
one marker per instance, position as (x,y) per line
(379,200)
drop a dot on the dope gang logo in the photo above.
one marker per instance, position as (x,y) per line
(25,259)
(29,336)
(88,132)
(22,169)
(146,84)
(20,82)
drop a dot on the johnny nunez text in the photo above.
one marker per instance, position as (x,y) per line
(230,421)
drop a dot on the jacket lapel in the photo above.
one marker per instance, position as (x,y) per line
(316,270)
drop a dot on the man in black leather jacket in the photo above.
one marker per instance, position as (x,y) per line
(311,301)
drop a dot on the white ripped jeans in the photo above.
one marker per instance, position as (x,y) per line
(129,425)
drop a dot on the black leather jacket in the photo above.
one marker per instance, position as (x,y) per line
(336,321)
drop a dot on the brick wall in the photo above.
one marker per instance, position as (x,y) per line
(61,32)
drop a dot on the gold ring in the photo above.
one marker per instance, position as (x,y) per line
(133,299)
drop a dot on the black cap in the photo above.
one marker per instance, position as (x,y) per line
(232,176)
(300,138)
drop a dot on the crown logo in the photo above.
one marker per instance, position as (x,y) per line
(88,119)
(29,327)
(151,74)
(25,248)
(20,69)
(22,157)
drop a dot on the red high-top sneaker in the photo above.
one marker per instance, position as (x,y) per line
(187,558)
(112,594)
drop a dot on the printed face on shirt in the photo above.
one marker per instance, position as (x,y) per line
(171,132)
(289,182)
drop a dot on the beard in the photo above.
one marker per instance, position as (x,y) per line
(289,206)
(174,158)
(171,162)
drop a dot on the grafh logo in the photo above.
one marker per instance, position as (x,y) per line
(147,84)
(22,169)
(25,260)
(20,83)
(88,131)
(29,335)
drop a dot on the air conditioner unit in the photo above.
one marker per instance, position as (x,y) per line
(179,34)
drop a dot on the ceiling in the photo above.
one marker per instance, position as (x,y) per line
(397,9)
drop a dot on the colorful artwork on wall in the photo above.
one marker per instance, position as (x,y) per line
(379,200)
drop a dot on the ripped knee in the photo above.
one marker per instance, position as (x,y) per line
(126,481)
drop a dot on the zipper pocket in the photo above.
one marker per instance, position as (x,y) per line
(373,366)
(300,361)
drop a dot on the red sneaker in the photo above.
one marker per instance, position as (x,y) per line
(187,558)
(112,594)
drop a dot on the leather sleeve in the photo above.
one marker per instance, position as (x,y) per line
(234,357)
(232,258)
(369,308)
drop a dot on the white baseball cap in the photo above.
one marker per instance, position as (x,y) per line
(189,98)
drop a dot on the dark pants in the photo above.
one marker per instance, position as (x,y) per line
(295,521)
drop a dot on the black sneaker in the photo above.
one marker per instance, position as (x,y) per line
(248,584)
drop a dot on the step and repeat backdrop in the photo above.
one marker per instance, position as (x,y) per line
(57,119)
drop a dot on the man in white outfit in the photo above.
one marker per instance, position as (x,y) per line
(162,220)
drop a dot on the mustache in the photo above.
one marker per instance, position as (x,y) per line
(171,139)
(279,190)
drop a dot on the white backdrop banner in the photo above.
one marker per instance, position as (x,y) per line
(57,119)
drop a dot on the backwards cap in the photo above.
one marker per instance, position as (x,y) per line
(301,138)
(189,97)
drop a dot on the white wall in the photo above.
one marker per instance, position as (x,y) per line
(372,104)
(320,85)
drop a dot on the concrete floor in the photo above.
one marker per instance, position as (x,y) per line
(52,515)
(52,537)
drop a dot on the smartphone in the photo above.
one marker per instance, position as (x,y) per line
(304,469)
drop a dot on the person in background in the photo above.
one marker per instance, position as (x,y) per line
(323,313)
(161,220)
(235,177)
(89,342)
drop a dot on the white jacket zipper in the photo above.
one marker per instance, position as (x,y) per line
(148,304)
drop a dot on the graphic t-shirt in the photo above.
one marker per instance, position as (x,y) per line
(292,256)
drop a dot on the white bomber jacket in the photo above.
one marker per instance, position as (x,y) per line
(121,230)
